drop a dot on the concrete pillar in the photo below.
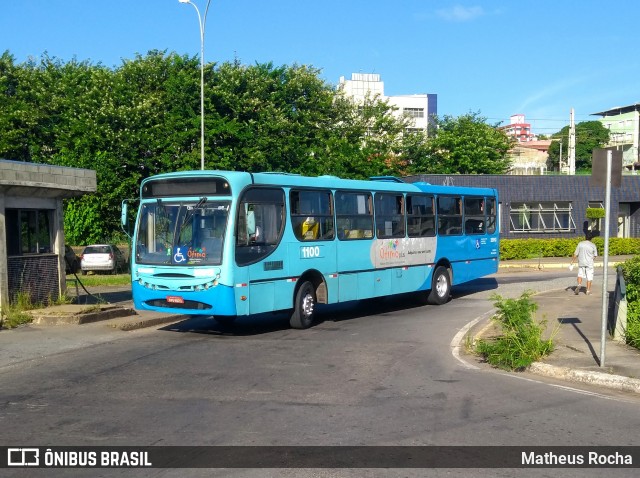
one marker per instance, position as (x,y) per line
(4,270)
(58,246)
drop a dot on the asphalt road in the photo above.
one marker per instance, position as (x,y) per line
(374,373)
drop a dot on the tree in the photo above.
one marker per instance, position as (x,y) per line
(464,145)
(590,135)
(266,118)
(143,118)
(367,139)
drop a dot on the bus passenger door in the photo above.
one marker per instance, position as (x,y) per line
(260,257)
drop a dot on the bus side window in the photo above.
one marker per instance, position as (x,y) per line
(449,215)
(354,215)
(260,224)
(312,214)
(490,211)
(420,216)
(389,209)
(474,208)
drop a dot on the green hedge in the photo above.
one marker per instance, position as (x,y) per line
(631,273)
(534,248)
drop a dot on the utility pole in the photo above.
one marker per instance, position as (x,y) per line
(606,172)
(605,263)
(572,144)
(560,163)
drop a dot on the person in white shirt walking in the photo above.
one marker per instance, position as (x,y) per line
(584,253)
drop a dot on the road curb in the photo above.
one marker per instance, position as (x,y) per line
(505,264)
(68,315)
(142,322)
(617,382)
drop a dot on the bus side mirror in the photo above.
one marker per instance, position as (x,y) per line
(124,218)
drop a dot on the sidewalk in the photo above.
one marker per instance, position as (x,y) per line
(577,322)
(59,329)
(577,353)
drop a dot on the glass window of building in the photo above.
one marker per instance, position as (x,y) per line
(541,217)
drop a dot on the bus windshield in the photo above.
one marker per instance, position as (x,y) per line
(181,233)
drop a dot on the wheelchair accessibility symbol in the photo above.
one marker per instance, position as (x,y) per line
(178,257)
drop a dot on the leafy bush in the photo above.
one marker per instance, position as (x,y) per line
(631,274)
(533,248)
(520,343)
(595,213)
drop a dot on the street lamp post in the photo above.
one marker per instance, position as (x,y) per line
(201,22)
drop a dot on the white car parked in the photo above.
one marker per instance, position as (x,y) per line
(102,257)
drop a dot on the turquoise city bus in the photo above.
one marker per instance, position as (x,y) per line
(228,244)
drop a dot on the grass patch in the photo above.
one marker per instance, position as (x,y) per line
(93,280)
(16,314)
(520,342)
(90,308)
(62,300)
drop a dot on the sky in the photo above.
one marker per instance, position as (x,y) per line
(496,58)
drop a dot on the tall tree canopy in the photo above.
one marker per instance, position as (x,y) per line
(465,145)
(143,118)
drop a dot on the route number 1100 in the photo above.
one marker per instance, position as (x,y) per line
(309,252)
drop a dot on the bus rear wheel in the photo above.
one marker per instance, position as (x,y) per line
(440,286)
(303,307)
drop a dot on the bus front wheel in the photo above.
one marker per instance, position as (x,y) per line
(303,307)
(440,286)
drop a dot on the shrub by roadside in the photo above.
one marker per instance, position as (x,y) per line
(520,342)
(631,274)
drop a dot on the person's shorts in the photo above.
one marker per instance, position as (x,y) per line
(585,272)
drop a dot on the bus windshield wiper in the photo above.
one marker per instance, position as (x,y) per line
(190,213)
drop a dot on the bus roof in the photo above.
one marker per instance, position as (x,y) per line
(238,180)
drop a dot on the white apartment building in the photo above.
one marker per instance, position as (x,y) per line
(421,107)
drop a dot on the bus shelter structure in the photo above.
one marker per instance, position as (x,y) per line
(32,244)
